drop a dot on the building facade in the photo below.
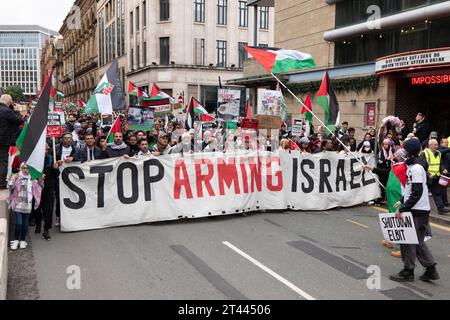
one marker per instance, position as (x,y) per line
(21,48)
(385,57)
(52,57)
(185,46)
(111,16)
(80,58)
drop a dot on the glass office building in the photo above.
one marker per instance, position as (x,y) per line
(20,55)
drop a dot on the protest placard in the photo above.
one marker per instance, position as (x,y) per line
(401,231)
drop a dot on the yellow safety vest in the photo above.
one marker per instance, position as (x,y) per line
(434,163)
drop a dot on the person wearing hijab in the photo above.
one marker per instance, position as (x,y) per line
(22,191)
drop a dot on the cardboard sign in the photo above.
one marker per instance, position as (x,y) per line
(140,118)
(402,231)
(177,106)
(54,132)
(162,109)
(269,102)
(250,124)
(269,122)
(55,119)
(297,128)
(229,105)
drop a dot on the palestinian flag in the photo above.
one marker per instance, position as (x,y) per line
(59,94)
(293,146)
(109,95)
(195,107)
(281,60)
(326,98)
(116,127)
(307,109)
(31,142)
(158,94)
(81,104)
(135,91)
(396,185)
(13,160)
(249,111)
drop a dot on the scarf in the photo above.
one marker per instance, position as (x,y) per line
(117,147)
(388,155)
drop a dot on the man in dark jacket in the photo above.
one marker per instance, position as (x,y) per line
(421,128)
(91,152)
(118,148)
(10,123)
(45,210)
(67,152)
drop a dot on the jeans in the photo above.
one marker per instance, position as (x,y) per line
(21,228)
(4,156)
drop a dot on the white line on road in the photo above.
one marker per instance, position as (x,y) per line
(269,271)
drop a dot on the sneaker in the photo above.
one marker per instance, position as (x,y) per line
(396,254)
(430,274)
(403,276)
(370,203)
(14,245)
(57,222)
(46,236)
(23,245)
(387,244)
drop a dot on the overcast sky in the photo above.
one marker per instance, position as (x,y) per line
(46,13)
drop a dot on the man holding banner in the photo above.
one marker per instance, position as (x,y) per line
(417,202)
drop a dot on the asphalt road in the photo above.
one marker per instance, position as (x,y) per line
(301,255)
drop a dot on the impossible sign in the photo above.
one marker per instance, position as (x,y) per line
(54,131)
(401,231)
(269,122)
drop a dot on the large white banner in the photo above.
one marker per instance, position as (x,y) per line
(117,192)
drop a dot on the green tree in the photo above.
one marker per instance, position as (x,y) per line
(15,91)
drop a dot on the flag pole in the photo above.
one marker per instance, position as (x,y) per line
(326,127)
(54,150)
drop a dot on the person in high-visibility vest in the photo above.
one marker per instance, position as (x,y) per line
(433,158)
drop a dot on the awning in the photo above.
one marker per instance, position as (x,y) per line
(261,3)
(350,71)
(256,81)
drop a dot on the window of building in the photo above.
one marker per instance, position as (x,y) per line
(120,27)
(164,11)
(138,56)
(243,54)
(131,23)
(222,12)
(243,14)
(132,59)
(199,52)
(263,45)
(144,13)
(137,19)
(221,54)
(199,10)
(164,51)
(264,18)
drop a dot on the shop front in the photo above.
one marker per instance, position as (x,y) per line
(422,84)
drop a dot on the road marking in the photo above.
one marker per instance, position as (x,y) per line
(380,209)
(438,226)
(269,271)
(358,224)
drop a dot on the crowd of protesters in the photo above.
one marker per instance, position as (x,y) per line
(85,139)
